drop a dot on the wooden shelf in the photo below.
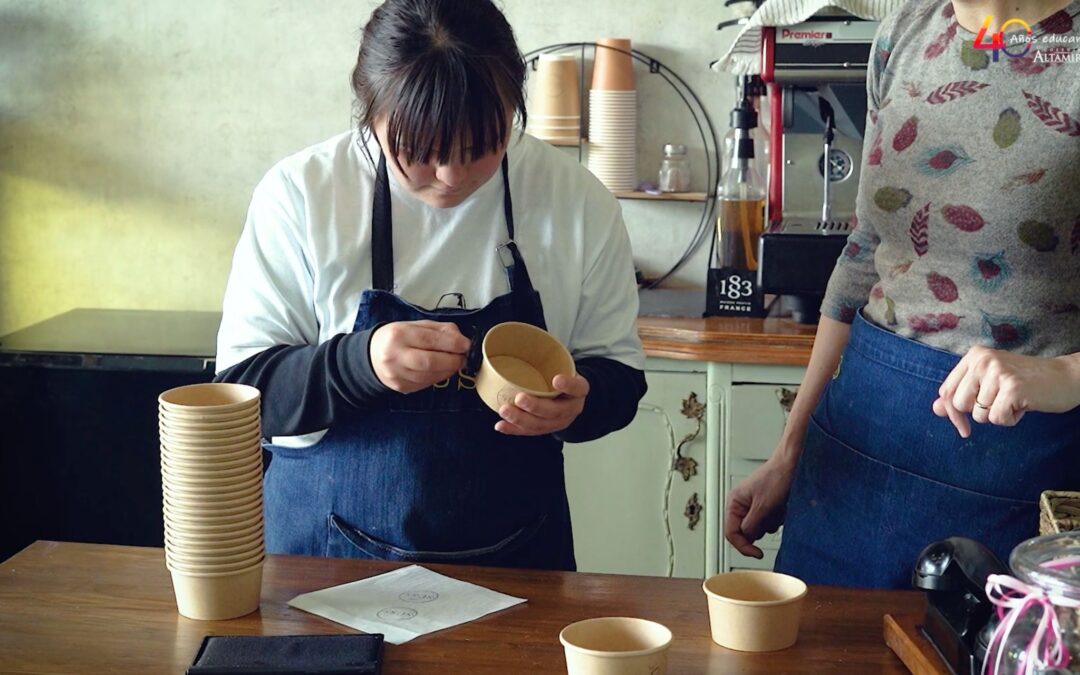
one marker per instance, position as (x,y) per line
(664,196)
(566,144)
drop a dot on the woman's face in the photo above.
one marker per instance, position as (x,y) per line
(443,185)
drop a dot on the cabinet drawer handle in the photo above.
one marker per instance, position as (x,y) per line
(786,397)
(693,409)
(693,511)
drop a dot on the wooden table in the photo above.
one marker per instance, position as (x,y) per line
(728,339)
(83,608)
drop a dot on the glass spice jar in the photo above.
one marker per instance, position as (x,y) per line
(674,169)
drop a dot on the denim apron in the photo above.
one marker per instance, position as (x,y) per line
(881,476)
(424,477)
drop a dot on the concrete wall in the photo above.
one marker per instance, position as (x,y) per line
(133,131)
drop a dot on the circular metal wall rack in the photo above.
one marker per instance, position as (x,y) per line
(697,112)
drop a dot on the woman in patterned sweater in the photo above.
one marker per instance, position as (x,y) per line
(958,295)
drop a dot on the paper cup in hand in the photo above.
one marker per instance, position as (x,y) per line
(616,646)
(754,611)
(519,357)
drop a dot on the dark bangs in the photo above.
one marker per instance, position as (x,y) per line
(446,103)
(445,75)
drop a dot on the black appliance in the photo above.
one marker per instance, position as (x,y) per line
(78,404)
(959,617)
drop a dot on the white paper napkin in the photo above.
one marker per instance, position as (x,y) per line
(404,604)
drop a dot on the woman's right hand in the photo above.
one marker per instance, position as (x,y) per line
(408,356)
(758,504)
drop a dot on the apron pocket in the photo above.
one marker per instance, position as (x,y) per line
(346,541)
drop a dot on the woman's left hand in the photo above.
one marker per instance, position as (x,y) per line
(999,387)
(535,416)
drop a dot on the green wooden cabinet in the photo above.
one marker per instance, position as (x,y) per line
(757,401)
(634,511)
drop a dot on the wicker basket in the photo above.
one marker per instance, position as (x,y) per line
(1059,512)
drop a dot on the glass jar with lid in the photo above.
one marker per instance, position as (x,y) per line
(674,169)
(1040,634)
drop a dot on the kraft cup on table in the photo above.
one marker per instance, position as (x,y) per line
(613,66)
(520,358)
(754,611)
(616,646)
(216,597)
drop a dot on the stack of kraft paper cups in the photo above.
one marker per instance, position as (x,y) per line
(613,116)
(212,501)
(555,104)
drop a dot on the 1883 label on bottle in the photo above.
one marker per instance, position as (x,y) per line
(733,292)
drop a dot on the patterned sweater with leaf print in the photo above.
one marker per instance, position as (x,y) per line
(968,213)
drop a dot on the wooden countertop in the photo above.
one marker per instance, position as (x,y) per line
(728,340)
(83,608)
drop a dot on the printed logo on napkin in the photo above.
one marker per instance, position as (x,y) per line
(404,604)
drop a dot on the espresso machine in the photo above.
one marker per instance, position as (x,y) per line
(815,78)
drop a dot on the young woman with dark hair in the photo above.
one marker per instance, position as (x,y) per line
(368,263)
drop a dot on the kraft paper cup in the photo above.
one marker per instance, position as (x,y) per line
(231,543)
(214,509)
(556,89)
(214,470)
(212,464)
(213,398)
(198,417)
(194,532)
(519,357)
(210,459)
(210,597)
(177,566)
(214,539)
(188,433)
(185,425)
(613,66)
(754,611)
(198,557)
(228,497)
(228,491)
(615,646)
(251,437)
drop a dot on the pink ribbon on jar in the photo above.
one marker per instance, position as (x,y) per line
(1014,599)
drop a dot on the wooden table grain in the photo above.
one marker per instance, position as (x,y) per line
(83,608)
(728,339)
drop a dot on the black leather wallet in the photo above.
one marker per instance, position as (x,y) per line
(289,654)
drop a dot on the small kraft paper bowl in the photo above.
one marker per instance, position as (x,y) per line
(616,646)
(754,611)
(520,358)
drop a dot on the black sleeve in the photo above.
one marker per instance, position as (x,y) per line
(306,387)
(614,392)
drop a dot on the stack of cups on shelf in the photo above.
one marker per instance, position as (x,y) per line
(613,116)
(555,110)
(211,480)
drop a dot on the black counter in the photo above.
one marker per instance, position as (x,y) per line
(78,408)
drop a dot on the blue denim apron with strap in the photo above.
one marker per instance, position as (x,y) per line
(881,476)
(425,477)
